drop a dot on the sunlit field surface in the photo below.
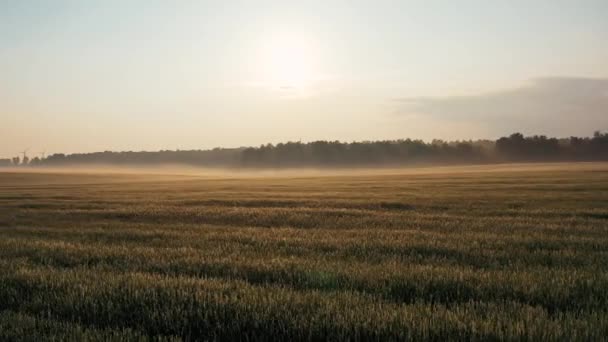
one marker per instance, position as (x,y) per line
(500,252)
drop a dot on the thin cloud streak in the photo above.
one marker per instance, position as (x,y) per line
(559,105)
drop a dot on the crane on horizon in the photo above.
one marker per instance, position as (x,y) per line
(24,152)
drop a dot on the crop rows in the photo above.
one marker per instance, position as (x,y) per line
(453,254)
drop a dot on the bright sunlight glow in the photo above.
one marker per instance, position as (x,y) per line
(288,62)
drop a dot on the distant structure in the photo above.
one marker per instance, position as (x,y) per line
(25,160)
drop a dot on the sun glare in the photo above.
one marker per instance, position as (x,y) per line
(288,62)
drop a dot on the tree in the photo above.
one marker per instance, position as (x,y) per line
(35,161)
(515,147)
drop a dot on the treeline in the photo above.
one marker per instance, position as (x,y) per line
(514,148)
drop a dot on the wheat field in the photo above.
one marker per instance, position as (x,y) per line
(506,252)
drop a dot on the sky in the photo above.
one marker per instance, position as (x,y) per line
(84,76)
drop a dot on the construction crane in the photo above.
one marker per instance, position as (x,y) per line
(24,152)
(25,158)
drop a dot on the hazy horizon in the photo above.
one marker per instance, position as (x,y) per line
(150,76)
(430,141)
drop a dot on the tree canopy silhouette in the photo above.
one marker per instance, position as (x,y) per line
(515,147)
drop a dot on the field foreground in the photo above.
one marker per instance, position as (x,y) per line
(504,252)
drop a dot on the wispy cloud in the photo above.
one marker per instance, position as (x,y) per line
(554,105)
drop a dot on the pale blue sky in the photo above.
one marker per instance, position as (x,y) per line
(80,76)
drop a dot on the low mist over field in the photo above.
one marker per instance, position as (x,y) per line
(128,173)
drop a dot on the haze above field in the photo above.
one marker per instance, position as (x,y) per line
(112,173)
(114,75)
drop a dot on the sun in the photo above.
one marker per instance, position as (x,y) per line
(288,62)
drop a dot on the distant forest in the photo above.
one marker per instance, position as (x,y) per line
(514,148)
